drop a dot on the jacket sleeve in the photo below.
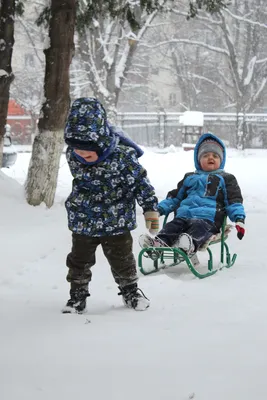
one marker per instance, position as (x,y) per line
(138,181)
(233,199)
(174,198)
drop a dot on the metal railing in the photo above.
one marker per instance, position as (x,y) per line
(164,129)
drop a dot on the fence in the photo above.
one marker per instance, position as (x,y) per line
(163,129)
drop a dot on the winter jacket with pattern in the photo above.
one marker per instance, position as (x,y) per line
(206,195)
(103,197)
(104,192)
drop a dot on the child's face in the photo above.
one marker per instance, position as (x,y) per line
(89,156)
(210,162)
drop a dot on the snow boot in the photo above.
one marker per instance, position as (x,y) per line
(147,241)
(185,243)
(133,297)
(77,301)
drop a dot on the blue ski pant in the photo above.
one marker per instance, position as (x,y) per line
(199,229)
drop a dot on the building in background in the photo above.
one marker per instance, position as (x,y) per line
(20,123)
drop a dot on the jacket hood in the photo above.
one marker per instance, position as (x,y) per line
(87,123)
(203,137)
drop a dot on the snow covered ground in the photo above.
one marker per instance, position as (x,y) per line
(200,339)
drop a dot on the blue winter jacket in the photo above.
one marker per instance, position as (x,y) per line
(206,195)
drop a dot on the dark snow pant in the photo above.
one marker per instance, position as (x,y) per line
(118,251)
(199,229)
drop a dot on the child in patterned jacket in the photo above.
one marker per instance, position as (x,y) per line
(108,180)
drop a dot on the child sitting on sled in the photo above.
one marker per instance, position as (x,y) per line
(201,201)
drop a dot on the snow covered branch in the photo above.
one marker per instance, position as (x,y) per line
(189,42)
(245,20)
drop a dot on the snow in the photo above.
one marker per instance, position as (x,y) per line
(200,339)
(251,66)
(9,149)
(2,44)
(47,43)
(121,65)
(95,23)
(192,118)
(3,73)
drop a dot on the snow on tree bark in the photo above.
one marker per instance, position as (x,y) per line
(48,144)
(43,168)
(7,14)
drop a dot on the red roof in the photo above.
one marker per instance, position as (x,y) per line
(15,109)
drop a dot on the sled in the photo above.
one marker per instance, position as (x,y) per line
(167,257)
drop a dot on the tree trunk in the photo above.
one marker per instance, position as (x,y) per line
(7,16)
(48,144)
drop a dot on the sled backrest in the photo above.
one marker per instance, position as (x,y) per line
(220,237)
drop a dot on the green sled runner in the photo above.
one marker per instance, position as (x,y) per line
(167,257)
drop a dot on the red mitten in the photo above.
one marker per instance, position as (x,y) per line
(240,227)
